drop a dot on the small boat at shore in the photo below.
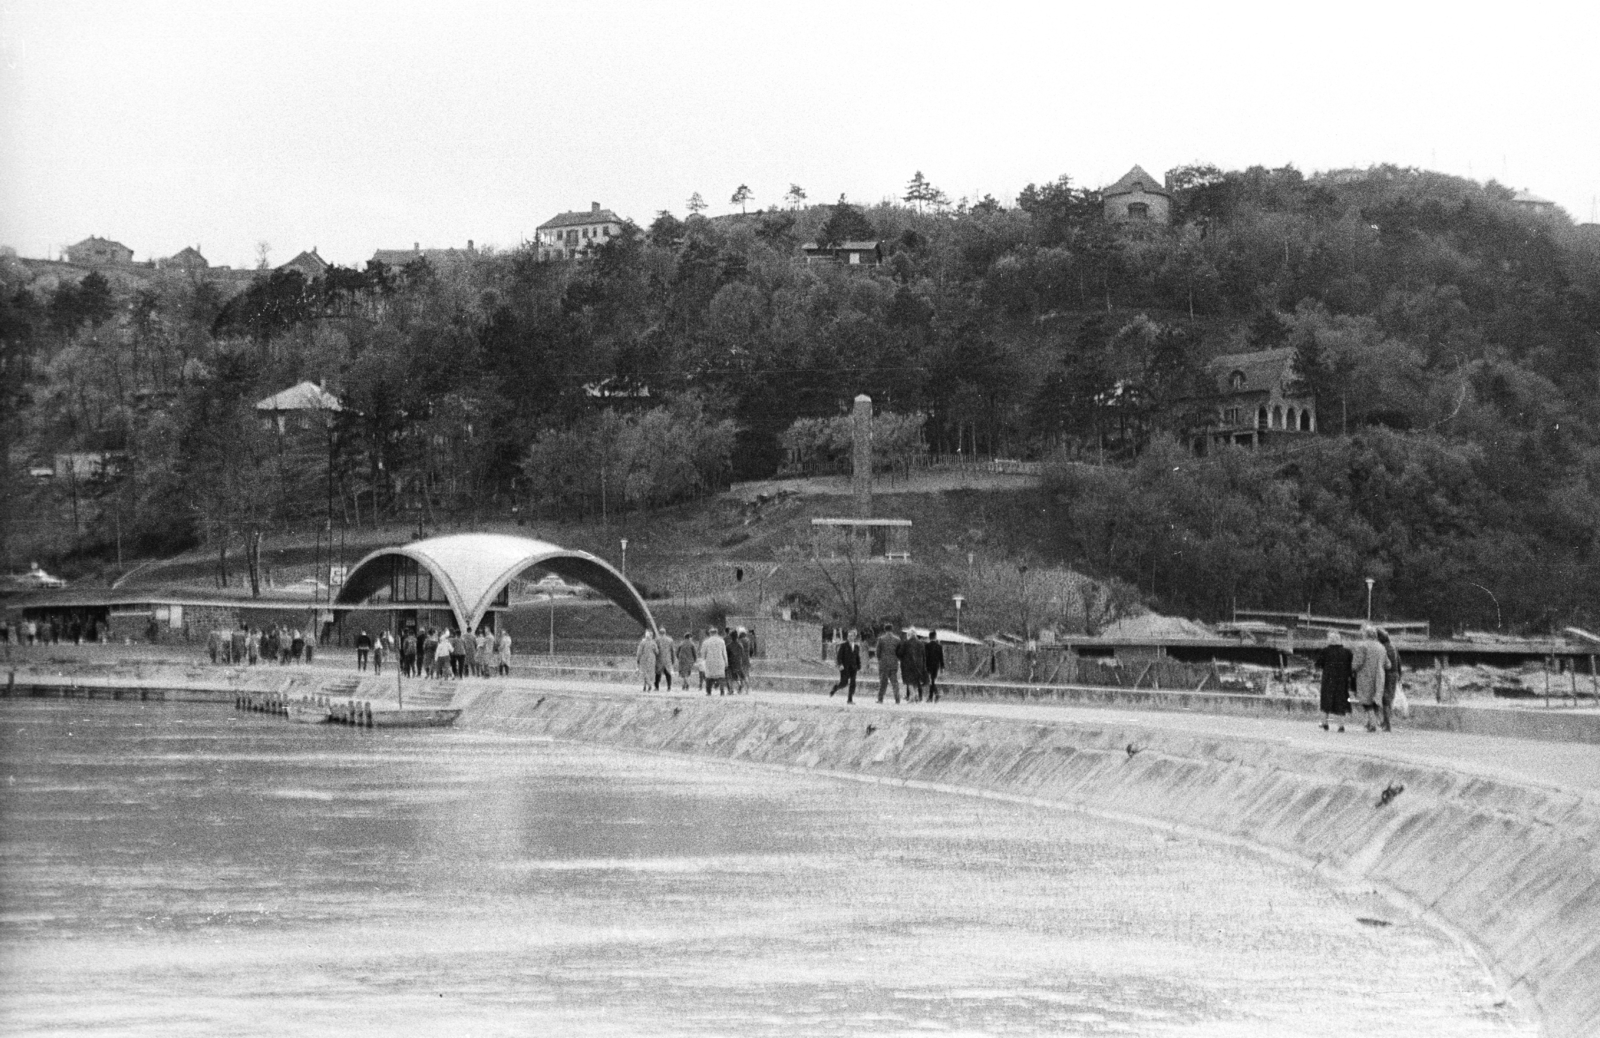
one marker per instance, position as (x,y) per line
(309,712)
(415,717)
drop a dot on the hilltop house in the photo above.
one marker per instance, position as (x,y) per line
(436,258)
(1137,197)
(851,253)
(1255,401)
(309,264)
(570,235)
(99,252)
(1526,199)
(188,258)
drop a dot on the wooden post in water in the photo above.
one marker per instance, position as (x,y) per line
(1547,682)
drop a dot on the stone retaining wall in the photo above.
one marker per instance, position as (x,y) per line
(1515,869)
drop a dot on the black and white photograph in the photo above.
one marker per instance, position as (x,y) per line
(721,520)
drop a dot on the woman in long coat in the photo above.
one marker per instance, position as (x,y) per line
(714,654)
(687,654)
(645,655)
(1371,663)
(1336,662)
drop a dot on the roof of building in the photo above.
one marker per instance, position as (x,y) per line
(580,217)
(844,246)
(400,257)
(96,240)
(306,261)
(307,396)
(1136,178)
(1263,370)
(1526,197)
(187,254)
(472,569)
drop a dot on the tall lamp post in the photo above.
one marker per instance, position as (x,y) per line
(1369,599)
(958,599)
(624,558)
(1022,571)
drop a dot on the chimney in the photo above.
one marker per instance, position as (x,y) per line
(469,244)
(594,207)
(416,246)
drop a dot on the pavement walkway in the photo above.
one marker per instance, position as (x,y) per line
(1573,767)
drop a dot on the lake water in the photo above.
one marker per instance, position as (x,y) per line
(182,869)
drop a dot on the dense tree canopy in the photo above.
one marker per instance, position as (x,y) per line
(1452,341)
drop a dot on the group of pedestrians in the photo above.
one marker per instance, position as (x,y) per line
(434,653)
(247,646)
(1365,672)
(717,659)
(903,656)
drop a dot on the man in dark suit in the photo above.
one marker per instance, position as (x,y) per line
(934,660)
(849,660)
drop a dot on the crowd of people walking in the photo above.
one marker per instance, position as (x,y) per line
(437,653)
(247,646)
(716,658)
(1365,673)
(904,657)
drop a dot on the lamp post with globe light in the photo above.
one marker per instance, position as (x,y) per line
(958,599)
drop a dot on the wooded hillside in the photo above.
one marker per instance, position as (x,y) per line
(1451,338)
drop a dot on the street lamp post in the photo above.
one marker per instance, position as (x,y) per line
(1369,599)
(958,599)
(624,558)
(1022,571)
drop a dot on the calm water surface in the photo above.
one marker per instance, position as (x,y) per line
(187,870)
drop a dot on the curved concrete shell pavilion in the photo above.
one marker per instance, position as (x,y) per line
(471,572)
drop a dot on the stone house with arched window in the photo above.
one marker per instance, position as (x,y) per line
(1137,198)
(1255,401)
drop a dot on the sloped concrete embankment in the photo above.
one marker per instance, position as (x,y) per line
(1514,869)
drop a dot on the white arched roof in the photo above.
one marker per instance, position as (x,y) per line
(472,569)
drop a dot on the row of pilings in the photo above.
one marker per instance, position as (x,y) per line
(357,713)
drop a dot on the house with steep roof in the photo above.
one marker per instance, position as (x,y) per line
(571,235)
(187,258)
(298,404)
(850,253)
(309,264)
(398,258)
(1256,399)
(99,252)
(1137,197)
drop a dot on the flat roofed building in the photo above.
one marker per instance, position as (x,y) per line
(849,253)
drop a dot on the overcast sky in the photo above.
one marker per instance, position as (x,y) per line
(355,126)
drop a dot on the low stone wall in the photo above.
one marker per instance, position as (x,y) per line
(1515,869)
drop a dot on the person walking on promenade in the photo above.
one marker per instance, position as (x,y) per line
(485,642)
(363,649)
(646,656)
(237,640)
(380,646)
(1335,661)
(252,645)
(408,653)
(502,651)
(888,663)
(442,655)
(913,664)
(714,656)
(738,661)
(665,654)
(469,655)
(849,660)
(1391,676)
(458,654)
(934,655)
(687,655)
(213,644)
(1371,661)
(297,645)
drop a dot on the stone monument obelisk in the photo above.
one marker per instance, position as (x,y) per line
(861,456)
